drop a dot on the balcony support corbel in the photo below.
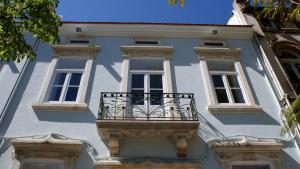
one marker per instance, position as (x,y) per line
(181,144)
(113,144)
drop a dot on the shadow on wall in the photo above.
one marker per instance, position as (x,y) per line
(243,118)
(71,117)
(17,98)
(288,160)
(85,161)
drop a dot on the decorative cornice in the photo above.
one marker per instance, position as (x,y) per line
(248,150)
(48,146)
(76,50)
(147,51)
(244,145)
(218,53)
(157,30)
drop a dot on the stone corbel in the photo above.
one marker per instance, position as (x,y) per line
(181,144)
(113,143)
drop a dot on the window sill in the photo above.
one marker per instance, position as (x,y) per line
(234,108)
(60,106)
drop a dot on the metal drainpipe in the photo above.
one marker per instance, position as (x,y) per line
(16,85)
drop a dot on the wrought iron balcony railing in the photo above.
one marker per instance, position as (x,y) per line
(147,106)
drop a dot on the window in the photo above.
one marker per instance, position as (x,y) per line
(215,44)
(79,41)
(146,78)
(42,165)
(66,80)
(226,82)
(146,42)
(251,167)
(291,65)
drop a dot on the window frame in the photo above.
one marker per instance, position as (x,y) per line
(227,87)
(250,163)
(65,85)
(87,52)
(206,54)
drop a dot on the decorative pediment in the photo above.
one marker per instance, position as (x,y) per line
(76,50)
(248,150)
(52,146)
(147,51)
(218,53)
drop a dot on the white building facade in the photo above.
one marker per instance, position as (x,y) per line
(137,95)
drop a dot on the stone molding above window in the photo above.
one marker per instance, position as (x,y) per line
(147,51)
(227,55)
(254,151)
(76,50)
(218,53)
(147,164)
(48,147)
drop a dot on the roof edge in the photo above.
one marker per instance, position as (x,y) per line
(155,23)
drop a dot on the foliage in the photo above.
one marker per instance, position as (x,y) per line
(292,115)
(19,16)
(280,11)
(174,2)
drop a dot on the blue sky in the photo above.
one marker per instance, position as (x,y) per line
(194,11)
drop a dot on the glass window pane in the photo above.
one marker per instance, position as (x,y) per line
(42,165)
(156,81)
(55,94)
(156,97)
(220,66)
(146,64)
(137,97)
(60,78)
(237,96)
(289,70)
(233,81)
(251,167)
(137,81)
(217,80)
(75,79)
(222,96)
(71,94)
(288,55)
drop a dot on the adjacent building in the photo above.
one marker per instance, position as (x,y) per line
(143,95)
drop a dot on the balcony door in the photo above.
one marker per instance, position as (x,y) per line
(147,88)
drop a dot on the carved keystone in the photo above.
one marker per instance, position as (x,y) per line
(113,144)
(181,145)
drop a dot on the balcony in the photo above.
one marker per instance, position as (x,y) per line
(142,115)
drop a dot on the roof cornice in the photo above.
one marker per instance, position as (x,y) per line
(156,29)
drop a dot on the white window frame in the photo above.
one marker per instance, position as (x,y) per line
(147,74)
(50,161)
(291,61)
(145,52)
(87,52)
(251,163)
(225,54)
(65,86)
(227,86)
